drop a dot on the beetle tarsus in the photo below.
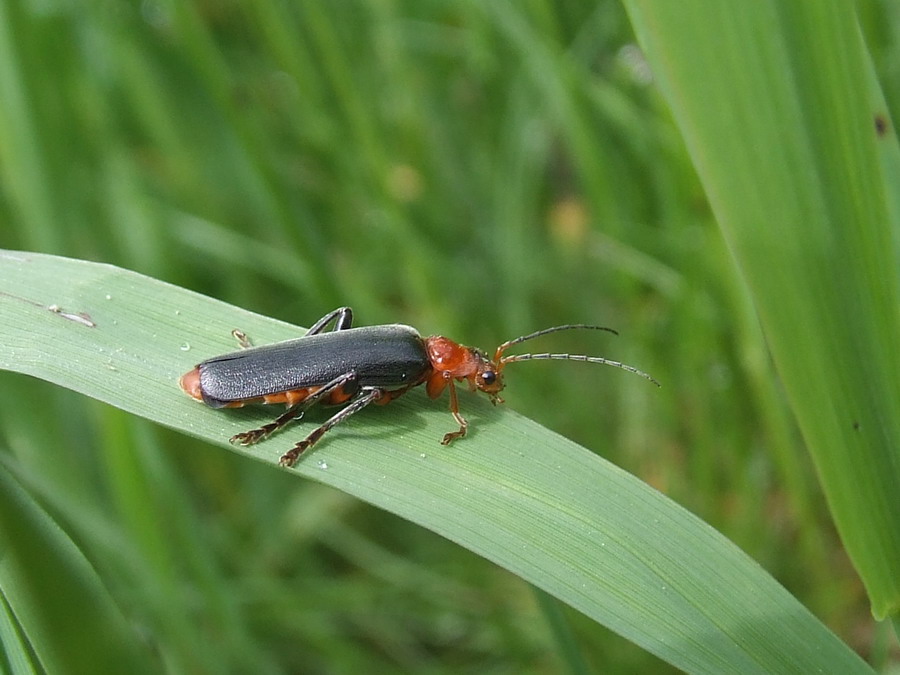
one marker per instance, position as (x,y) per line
(242,339)
(253,436)
(290,458)
(256,435)
(451,436)
(246,437)
(366,397)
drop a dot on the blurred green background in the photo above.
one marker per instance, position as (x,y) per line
(478,170)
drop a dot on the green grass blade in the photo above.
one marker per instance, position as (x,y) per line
(775,105)
(529,500)
(58,601)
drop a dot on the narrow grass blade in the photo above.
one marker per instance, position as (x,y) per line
(65,619)
(774,100)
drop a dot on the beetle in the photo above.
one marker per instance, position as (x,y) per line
(355,367)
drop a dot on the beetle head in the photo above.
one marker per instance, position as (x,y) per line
(487,376)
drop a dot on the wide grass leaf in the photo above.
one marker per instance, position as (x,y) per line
(549,510)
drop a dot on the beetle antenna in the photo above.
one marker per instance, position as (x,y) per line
(501,360)
(569,326)
(578,357)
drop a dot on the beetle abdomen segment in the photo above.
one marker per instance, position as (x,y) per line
(190,383)
(289,398)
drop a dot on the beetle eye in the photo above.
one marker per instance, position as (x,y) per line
(488,377)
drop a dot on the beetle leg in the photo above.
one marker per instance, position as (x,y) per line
(369,395)
(451,436)
(242,338)
(256,435)
(342,317)
(389,395)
